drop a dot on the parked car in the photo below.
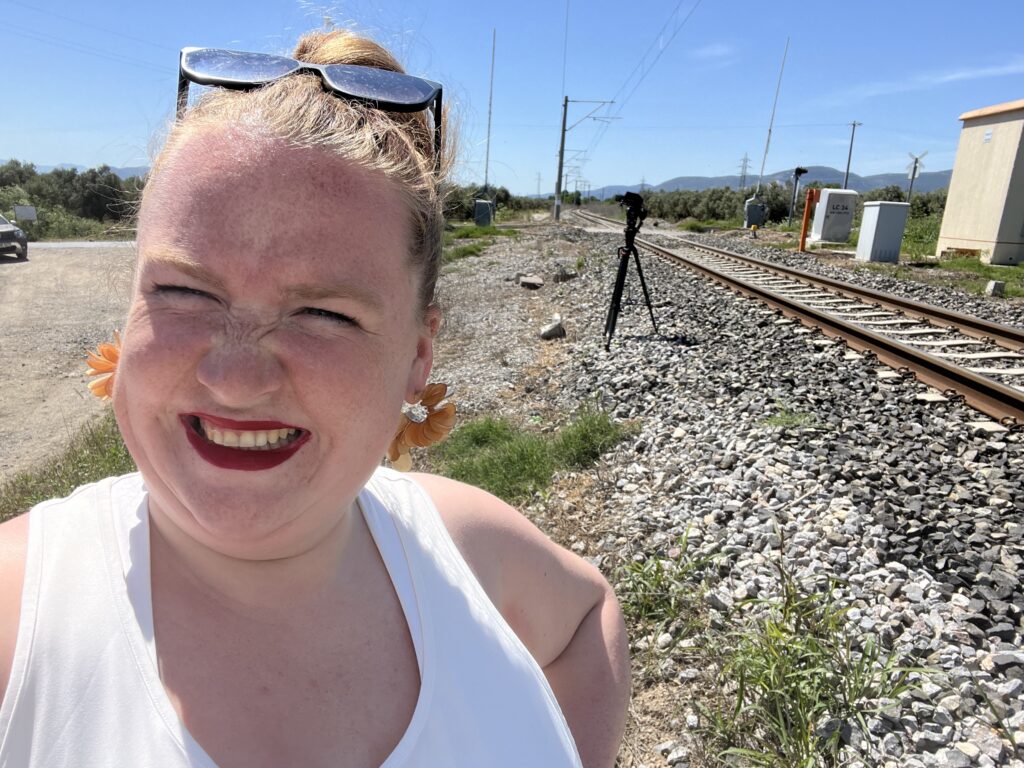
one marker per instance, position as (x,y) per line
(12,239)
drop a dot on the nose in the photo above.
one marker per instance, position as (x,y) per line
(240,373)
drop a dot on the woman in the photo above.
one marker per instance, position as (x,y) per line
(264,594)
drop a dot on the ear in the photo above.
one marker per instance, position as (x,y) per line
(419,372)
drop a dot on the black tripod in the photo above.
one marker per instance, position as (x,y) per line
(635,215)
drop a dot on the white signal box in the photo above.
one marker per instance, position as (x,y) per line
(881,231)
(833,216)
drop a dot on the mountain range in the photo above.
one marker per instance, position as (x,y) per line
(926,181)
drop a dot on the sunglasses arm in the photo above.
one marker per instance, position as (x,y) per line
(438,119)
(182,94)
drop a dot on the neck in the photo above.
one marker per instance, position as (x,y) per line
(278,585)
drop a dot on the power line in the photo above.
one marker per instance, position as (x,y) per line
(81,23)
(88,50)
(604,129)
(660,53)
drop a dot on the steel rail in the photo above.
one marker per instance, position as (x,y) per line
(1006,336)
(1002,403)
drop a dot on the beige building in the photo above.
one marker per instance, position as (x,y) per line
(985,209)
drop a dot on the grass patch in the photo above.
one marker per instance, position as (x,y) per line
(965,273)
(472,232)
(464,251)
(787,418)
(580,443)
(1013,276)
(94,453)
(514,464)
(921,236)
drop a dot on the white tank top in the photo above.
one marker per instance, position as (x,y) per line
(85,690)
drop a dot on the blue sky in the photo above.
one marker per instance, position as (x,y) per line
(693,80)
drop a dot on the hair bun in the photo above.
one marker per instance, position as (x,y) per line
(342,47)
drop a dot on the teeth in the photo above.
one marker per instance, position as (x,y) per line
(249,439)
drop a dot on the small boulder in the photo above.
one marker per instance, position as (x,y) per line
(553,330)
(564,275)
(531,282)
(995,288)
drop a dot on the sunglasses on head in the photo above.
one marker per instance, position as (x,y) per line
(379,88)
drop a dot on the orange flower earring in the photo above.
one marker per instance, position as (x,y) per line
(433,427)
(103,365)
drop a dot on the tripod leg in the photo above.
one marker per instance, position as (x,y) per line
(643,284)
(613,310)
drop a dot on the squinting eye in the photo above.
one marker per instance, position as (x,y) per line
(181,289)
(328,315)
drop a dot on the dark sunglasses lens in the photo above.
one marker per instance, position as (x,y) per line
(390,89)
(220,66)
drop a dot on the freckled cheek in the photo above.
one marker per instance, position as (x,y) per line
(345,376)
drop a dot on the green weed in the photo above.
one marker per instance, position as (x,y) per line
(514,464)
(800,681)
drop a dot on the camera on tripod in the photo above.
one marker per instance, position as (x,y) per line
(636,212)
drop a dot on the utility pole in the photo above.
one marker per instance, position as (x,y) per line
(561,144)
(538,185)
(849,156)
(743,170)
(490,103)
(561,157)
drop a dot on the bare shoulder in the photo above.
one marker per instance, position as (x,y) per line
(542,590)
(13,549)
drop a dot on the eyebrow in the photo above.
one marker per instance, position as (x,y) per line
(187,266)
(300,291)
(315,291)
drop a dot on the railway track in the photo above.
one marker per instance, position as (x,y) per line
(959,355)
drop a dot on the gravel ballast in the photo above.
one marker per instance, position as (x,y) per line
(916,513)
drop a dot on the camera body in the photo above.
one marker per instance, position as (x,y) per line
(636,212)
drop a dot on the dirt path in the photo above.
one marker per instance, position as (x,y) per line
(52,307)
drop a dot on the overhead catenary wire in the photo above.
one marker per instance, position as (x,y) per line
(88,50)
(90,25)
(599,136)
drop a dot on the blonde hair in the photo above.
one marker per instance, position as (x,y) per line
(299,111)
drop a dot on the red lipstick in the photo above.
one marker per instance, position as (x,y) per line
(237,458)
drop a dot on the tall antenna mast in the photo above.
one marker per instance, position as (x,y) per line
(490,103)
(771,122)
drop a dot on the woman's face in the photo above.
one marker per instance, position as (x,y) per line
(273,334)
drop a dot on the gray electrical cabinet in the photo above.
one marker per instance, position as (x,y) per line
(833,216)
(753,213)
(881,231)
(483,213)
